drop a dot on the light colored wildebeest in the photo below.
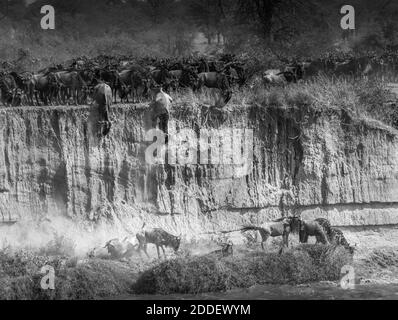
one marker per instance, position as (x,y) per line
(102,99)
(121,249)
(160,108)
(280,227)
(278,77)
(225,251)
(159,238)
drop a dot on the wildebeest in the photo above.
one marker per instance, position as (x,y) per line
(123,84)
(102,98)
(225,251)
(160,108)
(71,84)
(160,238)
(213,80)
(216,80)
(280,227)
(278,77)
(163,77)
(312,228)
(120,249)
(8,89)
(337,238)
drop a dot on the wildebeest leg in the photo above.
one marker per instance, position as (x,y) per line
(264,237)
(127,95)
(75,95)
(37,98)
(145,250)
(164,253)
(157,249)
(264,240)
(286,239)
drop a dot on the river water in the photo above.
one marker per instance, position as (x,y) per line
(317,291)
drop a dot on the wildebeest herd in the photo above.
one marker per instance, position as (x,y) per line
(131,79)
(319,228)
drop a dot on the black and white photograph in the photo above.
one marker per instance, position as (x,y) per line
(213,151)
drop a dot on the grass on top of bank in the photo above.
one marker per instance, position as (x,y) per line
(361,99)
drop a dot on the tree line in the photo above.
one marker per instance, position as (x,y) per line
(270,29)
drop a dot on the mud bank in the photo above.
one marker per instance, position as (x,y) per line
(53,161)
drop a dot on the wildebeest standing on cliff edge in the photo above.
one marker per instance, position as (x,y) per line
(102,98)
(160,109)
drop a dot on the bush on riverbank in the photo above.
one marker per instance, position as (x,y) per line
(96,278)
(20,277)
(303,264)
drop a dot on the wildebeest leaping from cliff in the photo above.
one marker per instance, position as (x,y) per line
(102,98)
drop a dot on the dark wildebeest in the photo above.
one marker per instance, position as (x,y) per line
(43,86)
(312,228)
(334,235)
(102,98)
(71,85)
(88,76)
(215,80)
(8,89)
(294,72)
(337,238)
(26,84)
(175,78)
(159,238)
(140,85)
(163,77)
(123,84)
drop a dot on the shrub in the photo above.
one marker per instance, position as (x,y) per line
(302,264)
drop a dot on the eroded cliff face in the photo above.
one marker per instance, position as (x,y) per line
(53,161)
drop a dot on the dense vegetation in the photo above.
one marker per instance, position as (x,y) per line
(20,275)
(266,29)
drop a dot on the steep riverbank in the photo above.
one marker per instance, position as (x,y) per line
(53,162)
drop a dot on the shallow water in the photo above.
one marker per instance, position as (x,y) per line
(286,292)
